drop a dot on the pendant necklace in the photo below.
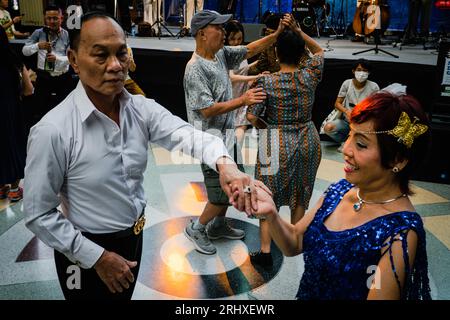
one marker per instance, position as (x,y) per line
(358,205)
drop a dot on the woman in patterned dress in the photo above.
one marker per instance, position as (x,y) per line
(289,150)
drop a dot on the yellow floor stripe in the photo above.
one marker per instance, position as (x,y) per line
(439,226)
(423,196)
(330,170)
(4,204)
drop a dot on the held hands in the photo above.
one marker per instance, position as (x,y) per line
(234,183)
(266,207)
(253,96)
(114,271)
(292,24)
(287,21)
(281,26)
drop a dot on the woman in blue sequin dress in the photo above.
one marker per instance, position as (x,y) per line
(364,239)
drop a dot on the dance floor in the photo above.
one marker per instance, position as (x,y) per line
(172,269)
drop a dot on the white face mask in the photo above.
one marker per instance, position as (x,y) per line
(361,76)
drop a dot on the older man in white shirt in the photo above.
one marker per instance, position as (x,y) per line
(89,154)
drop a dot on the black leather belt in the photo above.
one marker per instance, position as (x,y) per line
(134,230)
(46,75)
(139,224)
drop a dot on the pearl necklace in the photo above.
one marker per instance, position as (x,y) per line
(358,205)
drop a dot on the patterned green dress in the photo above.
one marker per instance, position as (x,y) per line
(289,150)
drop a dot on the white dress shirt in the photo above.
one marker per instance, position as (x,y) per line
(60,45)
(82,160)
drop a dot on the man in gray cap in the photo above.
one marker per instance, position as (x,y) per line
(210,105)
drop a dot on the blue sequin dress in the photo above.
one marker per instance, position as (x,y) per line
(338,264)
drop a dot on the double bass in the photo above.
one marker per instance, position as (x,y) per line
(369,16)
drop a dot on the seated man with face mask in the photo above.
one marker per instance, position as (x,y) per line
(351,93)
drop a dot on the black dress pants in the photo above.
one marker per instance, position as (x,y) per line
(124,12)
(92,287)
(50,91)
(227,6)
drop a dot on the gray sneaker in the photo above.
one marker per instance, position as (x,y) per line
(224,231)
(199,239)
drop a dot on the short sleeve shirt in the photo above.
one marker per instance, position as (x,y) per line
(354,96)
(5,17)
(207,82)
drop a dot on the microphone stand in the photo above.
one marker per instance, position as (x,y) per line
(159,22)
(376,49)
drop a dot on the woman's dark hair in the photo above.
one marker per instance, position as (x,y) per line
(290,47)
(8,57)
(271,20)
(364,63)
(384,109)
(233,26)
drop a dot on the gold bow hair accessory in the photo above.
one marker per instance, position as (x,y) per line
(406,130)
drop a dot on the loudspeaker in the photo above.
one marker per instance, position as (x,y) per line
(253,31)
(437,165)
(145,30)
(440,113)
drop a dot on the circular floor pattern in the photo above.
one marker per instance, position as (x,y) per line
(171,265)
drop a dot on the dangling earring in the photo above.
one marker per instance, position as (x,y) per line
(395,169)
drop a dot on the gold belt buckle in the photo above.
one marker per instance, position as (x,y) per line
(139,225)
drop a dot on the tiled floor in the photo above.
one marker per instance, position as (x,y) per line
(172,269)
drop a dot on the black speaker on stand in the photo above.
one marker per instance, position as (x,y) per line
(437,166)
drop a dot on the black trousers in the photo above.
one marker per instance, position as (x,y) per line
(124,12)
(92,287)
(422,9)
(227,6)
(50,91)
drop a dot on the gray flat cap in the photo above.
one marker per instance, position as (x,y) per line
(203,18)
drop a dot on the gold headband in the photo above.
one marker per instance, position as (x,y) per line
(406,131)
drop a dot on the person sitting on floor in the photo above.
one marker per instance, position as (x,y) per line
(351,93)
